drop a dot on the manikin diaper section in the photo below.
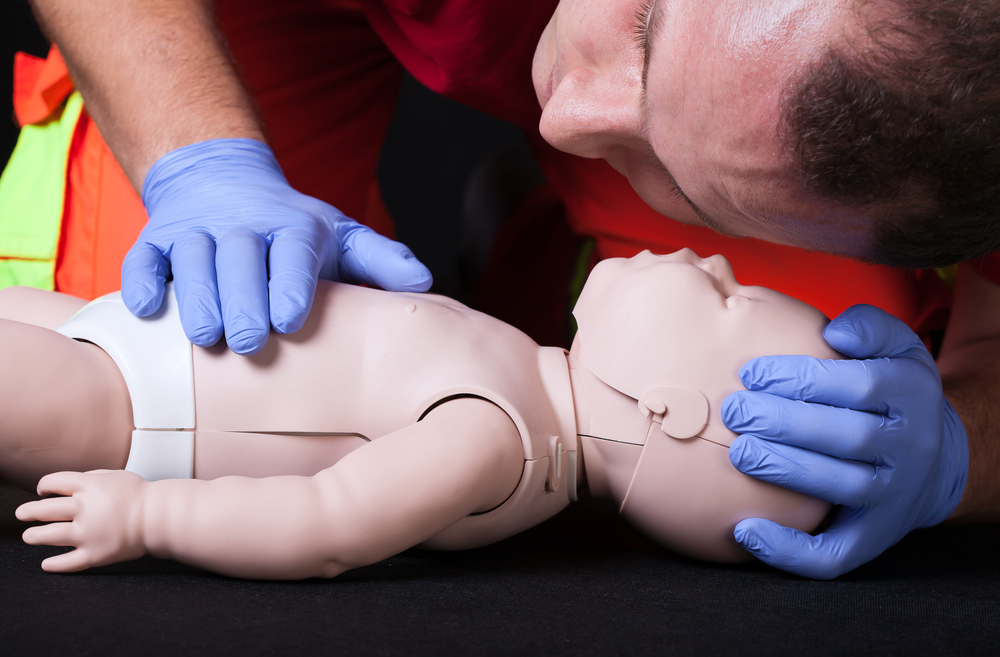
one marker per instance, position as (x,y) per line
(155,360)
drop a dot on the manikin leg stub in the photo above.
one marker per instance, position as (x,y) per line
(63,406)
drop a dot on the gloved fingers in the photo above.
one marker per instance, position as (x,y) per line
(864,331)
(367,257)
(144,271)
(823,556)
(838,432)
(241,267)
(848,483)
(294,264)
(197,289)
(863,385)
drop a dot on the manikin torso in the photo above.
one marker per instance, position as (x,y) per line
(660,344)
(368,363)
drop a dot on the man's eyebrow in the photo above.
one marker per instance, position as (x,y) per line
(647,34)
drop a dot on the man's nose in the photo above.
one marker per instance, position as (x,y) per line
(590,114)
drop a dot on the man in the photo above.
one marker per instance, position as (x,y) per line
(818,125)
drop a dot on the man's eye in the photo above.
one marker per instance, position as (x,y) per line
(641,28)
(677,192)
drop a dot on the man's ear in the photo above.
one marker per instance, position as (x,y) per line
(681,412)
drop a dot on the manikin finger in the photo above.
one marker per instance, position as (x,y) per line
(60,483)
(59,534)
(53,509)
(294,264)
(839,432)
(144,271)
(849,483)
(197,289)
(70,562)
(241,267)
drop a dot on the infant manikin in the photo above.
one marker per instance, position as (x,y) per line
(390,420)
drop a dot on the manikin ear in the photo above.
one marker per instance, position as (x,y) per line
(681,412)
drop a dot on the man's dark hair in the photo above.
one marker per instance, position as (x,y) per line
(906,123)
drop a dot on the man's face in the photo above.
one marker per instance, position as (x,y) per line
(692,118)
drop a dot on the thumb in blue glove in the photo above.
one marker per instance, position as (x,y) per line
(874,435)
(245,249)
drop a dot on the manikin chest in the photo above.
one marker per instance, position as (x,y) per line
(365,363)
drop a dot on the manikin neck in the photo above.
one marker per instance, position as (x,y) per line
(603,412)
(604,416)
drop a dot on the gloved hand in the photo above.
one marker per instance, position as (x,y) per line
(245,249)
(874,435)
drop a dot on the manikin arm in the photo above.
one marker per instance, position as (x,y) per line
(393,493)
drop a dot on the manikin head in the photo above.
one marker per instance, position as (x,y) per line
(660,344)
(832,125)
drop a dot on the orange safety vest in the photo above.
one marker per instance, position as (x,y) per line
(68,214)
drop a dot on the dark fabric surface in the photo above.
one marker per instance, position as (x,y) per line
(582,584)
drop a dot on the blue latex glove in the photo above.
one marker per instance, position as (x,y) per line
(245,249)
(873,435)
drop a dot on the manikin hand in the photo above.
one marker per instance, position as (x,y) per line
(874,435)
(245,249)
(101,516)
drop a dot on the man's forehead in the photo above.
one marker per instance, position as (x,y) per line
(713,109)
(761,26)
(754,37)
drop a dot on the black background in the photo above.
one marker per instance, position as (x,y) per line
(17,32)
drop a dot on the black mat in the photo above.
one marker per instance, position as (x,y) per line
(582,584)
